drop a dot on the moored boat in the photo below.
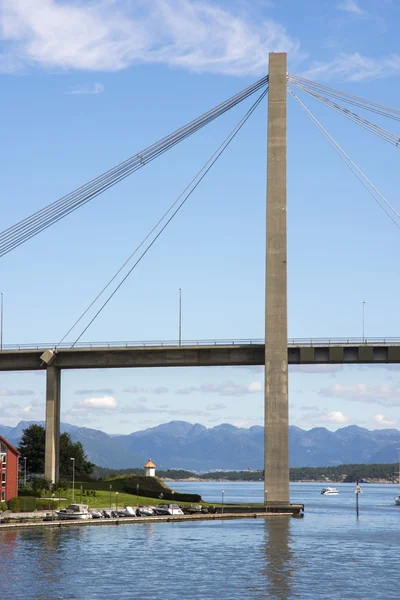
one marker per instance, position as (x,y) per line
(74,512)
(145,511)
(168,509)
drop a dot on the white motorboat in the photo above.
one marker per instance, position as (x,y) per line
(397,500)
(168,509)
(129,511)
(145,511)
(74,512)
(329,491)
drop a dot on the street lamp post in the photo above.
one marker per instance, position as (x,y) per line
(110,496)
(222,508)
(363,319)
(81,493)
(25,470)
(137,494)
(73,480)
(180,316)
(116,502)
(1,321)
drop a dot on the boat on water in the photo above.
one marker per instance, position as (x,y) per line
(168,509)
(145,511)
(397,500)
(74,512)
(329,491)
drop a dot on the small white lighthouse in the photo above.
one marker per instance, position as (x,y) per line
(150,469)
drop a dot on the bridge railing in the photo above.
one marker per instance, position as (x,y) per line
(292,342)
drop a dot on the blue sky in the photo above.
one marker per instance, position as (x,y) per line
(84,85)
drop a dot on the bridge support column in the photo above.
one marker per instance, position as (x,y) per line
(52,453)
(276,442)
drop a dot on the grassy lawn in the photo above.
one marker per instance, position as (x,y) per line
(102,500)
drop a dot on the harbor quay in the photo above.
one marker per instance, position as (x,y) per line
(46,519)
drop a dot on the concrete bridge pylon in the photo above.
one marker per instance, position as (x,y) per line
(52,451)
(276,414)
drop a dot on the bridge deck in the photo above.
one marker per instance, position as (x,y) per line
(234,354)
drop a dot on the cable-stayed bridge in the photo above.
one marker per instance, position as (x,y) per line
(197,353)
(278,352)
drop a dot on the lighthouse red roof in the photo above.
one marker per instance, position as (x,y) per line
(149,464)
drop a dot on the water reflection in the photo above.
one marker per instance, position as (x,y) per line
(8,545)
(279,559)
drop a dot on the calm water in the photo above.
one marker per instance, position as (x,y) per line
(329,554)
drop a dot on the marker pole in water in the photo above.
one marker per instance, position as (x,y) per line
(357,509)
(357,492)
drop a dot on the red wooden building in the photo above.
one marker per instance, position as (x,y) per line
(8,470)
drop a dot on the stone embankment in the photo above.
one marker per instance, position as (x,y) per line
(46,519)
(16,523)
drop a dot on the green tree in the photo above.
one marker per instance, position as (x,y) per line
(32,446)
(41,484)
(68,450)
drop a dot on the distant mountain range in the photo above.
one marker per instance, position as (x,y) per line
(180,444)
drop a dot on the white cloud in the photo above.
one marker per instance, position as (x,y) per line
(336,417)
(229,388)
(104,403)
(132,389)
(255,386)
(161,389)
(382,421)
(6,392)
(110,35)
(12,413)
(87,392)
(385,395)
(137,408)
(246,423)
(216,406)
(88,88)
(314,416)
(352,7)
(355,67)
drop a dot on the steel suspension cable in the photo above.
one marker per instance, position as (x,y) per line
(193,185)
(386,111)
(44,218)
(368,185)
(368,125)
(83,198)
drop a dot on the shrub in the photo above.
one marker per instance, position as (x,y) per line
(3,506)
(62,484)
(40,484)
(26,490)
(46,504)
(28,503)
(14,504)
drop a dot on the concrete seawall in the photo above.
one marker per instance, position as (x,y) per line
(38,522)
